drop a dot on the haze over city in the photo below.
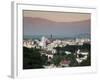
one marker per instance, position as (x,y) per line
(56,23)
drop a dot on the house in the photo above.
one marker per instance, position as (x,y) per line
(67,52)
(64,63)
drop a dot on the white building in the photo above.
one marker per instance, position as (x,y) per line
(67,52)
(43,42)
(85,55)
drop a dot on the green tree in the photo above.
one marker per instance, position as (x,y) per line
(32,58)
(56,60)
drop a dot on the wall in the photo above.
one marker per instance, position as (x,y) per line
(5,39)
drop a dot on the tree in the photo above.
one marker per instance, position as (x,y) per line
(56,60)
(72,59)
(86,62)
(44,59)
(32,58)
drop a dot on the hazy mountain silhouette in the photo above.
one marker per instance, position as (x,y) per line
(36,26)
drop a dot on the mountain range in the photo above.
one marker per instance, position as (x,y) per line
(41,26)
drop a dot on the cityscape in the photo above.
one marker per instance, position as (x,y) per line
(61,53)
(50,43)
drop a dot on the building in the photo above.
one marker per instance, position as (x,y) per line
(43,42)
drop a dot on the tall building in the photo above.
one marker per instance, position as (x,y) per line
(51,38)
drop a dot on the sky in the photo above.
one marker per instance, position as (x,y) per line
(56,23)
